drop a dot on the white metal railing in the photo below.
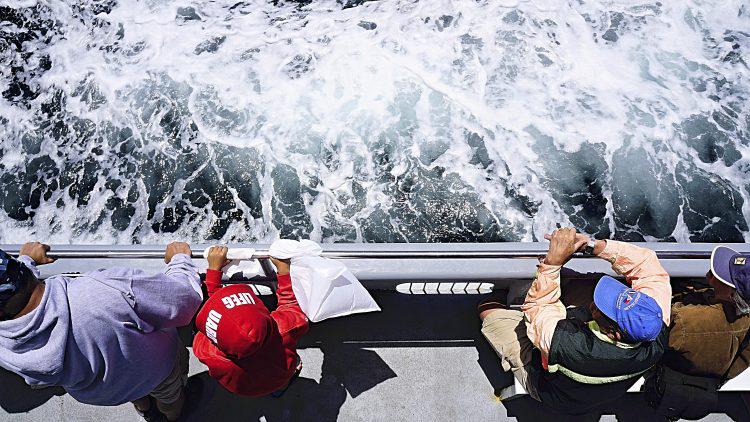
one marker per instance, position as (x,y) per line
(388,264)
(514,250)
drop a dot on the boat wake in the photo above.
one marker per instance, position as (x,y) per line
(142,121)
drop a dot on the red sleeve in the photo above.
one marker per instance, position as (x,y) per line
(284,291)
(213,281)
(290,319)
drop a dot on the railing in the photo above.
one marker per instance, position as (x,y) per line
(513,250)
(386,265)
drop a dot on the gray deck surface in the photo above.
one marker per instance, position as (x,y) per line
(421,359)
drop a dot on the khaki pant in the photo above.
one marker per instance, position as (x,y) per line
(505,329)
(168,391)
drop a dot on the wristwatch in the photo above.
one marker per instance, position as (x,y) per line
(589,249)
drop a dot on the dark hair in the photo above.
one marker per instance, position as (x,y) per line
(607,324)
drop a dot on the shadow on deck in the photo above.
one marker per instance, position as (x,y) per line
(371,363)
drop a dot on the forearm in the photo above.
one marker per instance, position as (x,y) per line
(213,281)
(542,307)
(162,300)
(633,262)
(284,291)
(290,318)
(181,268)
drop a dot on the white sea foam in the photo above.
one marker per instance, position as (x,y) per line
(402,120)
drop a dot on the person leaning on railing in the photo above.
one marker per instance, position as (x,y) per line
(247,349)
(106,337)
(708,340)
(585,359)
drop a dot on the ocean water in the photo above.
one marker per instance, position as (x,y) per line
(143,121)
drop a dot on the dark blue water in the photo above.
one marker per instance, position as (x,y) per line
(141,122)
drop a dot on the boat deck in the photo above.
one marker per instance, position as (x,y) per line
(422,359)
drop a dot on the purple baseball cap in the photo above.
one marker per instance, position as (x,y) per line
(636,313)
(732,268)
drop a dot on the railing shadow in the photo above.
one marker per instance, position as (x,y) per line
(306,399)
(353,351)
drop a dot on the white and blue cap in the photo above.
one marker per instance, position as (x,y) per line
(637,314)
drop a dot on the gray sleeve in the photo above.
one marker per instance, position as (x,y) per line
(27,261)
(170,299)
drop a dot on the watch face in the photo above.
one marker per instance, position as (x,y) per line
(589,249)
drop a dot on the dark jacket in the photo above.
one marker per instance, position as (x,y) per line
(586,371)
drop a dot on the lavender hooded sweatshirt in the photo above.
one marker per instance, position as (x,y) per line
(107,337)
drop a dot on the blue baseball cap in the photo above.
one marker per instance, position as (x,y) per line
(636,313)
(732,268)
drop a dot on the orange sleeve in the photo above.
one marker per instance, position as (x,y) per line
(642,271)
(542,307)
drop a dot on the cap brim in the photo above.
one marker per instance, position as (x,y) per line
(605,295)
(721,256)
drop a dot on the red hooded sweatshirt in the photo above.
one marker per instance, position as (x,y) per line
(250,351)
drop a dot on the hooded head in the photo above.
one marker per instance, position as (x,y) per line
(236,321)
(17,283)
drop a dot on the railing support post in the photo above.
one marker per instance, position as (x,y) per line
(268,269)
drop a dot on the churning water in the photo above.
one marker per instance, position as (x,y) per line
(141,121)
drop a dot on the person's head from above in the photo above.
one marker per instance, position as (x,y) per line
(624,314)
(235,321)
(20,290)
(729,276)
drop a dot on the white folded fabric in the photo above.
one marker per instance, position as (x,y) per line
(240,261)
(324,287)
(285,249)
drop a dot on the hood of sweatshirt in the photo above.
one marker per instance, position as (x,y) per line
(34,344)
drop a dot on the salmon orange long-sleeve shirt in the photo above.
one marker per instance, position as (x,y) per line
(640,266)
